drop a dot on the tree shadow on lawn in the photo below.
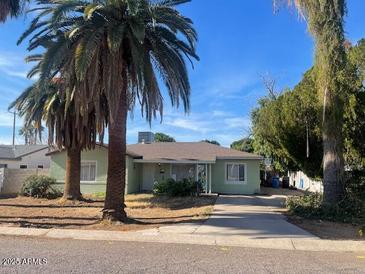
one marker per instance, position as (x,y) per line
(143,210)
(93,222)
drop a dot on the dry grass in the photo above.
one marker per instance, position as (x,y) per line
(144,211)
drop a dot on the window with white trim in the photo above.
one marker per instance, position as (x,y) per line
(235,173)
(88,172)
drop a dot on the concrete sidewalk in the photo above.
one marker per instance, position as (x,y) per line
(244,221)
(165,237)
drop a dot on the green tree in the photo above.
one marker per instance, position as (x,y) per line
(245,144)
(325,19)
(354,128)
(116,49)
(11,8)
(213,142)
(288,127)
(162,137)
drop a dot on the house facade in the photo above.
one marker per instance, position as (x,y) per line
(24,156)
(220,169)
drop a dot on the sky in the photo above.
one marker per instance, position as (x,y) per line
(239,42)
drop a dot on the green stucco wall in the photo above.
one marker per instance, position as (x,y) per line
(134,174)
(252,185)
(100,155)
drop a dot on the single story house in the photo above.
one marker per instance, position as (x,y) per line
(222,170)
(24,156)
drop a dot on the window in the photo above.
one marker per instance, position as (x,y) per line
(23,166)
(88,172)
(235,173)
(40,166)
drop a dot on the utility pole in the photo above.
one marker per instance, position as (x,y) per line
(14,113)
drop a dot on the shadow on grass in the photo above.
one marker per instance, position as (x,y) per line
(26,221)
(51,206)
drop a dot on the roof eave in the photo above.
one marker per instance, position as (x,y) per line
(240,158)
(176,161)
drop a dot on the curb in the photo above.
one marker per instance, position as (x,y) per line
(154,236)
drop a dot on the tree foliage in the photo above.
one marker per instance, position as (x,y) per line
(288,128)
(213,142)
(245,144)
(11,8)
(162,137)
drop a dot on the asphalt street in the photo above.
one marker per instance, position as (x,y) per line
(39,255)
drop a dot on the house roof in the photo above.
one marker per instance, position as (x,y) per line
(10,152)
(130,153)
(187,152)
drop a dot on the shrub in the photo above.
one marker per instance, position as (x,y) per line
(40,186)
(173,188)
(350,210)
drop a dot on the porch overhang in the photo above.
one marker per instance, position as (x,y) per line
(240,158)
(174,161)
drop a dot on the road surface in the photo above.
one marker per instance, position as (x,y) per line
(40,255)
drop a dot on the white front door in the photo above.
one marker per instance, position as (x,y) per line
(148,176)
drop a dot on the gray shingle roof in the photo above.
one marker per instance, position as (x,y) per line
(187,151)
(10,152)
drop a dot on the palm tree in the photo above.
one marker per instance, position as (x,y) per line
(325,20)
(11,8)
(117,48)
(31,133)
(49,105)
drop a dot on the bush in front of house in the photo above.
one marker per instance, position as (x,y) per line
(173,188)
(40,186)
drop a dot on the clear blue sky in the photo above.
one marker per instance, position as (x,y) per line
(238,42)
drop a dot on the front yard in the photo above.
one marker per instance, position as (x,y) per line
(144,211)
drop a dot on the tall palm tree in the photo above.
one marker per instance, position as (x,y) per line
(325,20)
(11,8)
(49,105)
(117,48)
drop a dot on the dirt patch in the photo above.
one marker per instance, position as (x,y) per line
(328,230)
(144,211)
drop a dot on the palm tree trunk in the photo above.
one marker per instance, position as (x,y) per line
(72,178)
(115,186)
(333,162)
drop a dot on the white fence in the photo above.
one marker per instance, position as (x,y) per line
(2,170)
(302,181)
(13,179)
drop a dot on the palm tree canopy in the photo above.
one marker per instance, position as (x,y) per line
(11,8)
(49,105)
(115,47)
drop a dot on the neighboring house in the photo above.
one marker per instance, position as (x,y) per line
(222,170)
(24,156)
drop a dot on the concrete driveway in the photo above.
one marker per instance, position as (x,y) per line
(253,217)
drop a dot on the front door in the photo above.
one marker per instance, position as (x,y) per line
(148,177)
